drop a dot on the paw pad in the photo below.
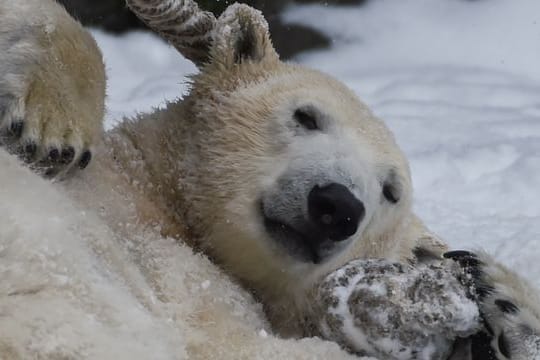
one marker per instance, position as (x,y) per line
(56,160)
(46,160)
(67,155)
(85,159)
(54,155)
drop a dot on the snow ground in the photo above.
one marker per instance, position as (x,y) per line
(458,82)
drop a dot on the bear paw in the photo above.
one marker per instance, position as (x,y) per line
(52,87)
(510,309)
(395,311)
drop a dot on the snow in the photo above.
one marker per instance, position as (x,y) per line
(458,82)
(142,71)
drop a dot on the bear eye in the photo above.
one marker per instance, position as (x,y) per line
(391,187)
(306,119)
(391,192)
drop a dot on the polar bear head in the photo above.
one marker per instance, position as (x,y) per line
(288,175)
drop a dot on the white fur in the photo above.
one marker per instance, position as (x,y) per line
(71,288)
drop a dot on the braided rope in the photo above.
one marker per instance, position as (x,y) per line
(181,22)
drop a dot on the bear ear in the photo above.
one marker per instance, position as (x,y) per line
(242,35)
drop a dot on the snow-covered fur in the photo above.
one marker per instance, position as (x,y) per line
(97,266)
(73,288)
(397,311)
(432,310)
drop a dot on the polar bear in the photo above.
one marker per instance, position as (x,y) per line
(278,173)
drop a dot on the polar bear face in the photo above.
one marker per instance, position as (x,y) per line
(294,176)
(287,175)
(339,177)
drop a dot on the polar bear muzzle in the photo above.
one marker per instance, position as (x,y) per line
(335,211)
(316,226)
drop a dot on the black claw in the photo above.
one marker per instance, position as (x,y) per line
(484,290)
(506,306)
(503,345)
(471,266)
(459,254)
(68,153)
(477,274)
(466,259)
(85,159)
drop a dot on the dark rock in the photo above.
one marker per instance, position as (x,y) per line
(110,15)
(291,39)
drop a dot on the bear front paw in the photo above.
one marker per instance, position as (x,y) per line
(396,311)
(509,306)
(52,89)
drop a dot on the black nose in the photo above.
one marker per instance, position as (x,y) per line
(335,211)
